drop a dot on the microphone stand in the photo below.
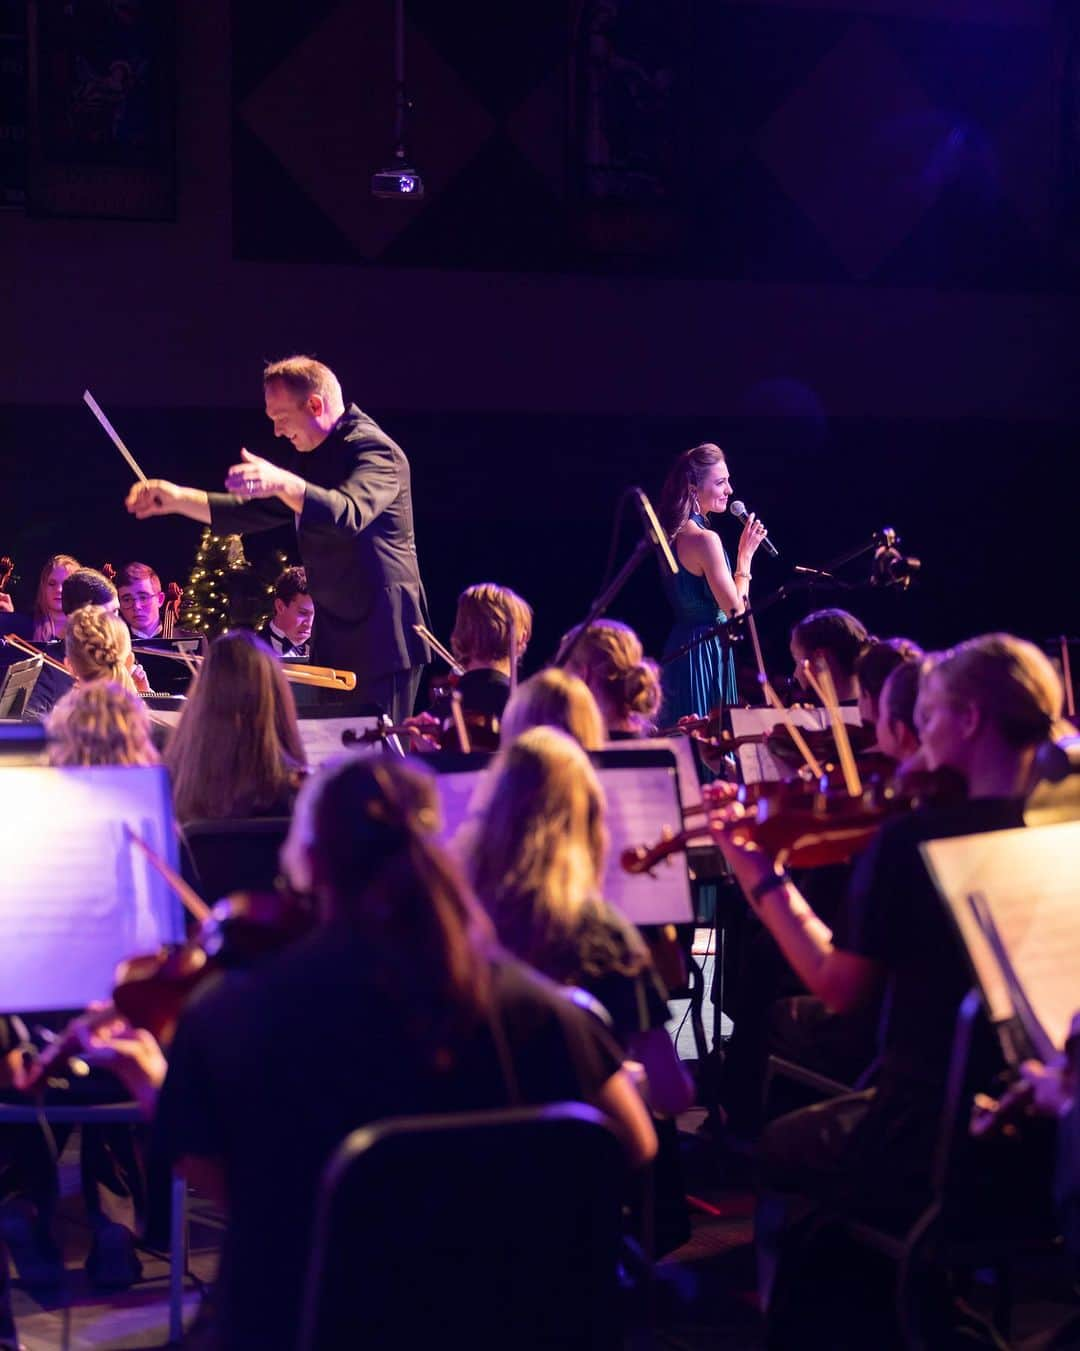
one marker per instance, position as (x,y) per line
(643,547)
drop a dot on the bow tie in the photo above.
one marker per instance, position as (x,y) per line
(287,647)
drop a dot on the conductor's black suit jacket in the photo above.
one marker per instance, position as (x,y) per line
(356,541)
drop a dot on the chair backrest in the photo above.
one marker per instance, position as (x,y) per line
(487,1229)
(228,856)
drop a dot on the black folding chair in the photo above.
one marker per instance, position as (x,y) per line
(221,857)
(489,1229)
(983,1212)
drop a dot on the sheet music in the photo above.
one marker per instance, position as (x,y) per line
(77,899)
(322,738)
(641,804)
(1030,880)
(756,762)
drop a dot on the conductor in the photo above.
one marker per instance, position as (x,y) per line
(352,506)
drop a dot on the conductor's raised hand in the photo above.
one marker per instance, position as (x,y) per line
(256,477)
(154,497)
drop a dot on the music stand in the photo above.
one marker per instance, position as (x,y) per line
(18,686)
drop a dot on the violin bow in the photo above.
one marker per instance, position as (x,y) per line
(1066,678)
(763,679)
(193,903)
(459,722)
(822,684)
(440,651)
(772,698)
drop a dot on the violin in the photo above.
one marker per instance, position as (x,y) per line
(240,931)
(806,824)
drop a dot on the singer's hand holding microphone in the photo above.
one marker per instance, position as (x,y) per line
(754,535)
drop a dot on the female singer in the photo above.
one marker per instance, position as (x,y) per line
(97,646)
(536,861)
(100,723)
(49,618)
(982,709)
(236,751)
(624,682)
(705,591)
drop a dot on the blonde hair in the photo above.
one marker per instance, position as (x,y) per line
(553,698)
(236,750)
(1008,679)
(626,684)
(539,848)
(43,625)
(97,645)
(100,723)
(482,625)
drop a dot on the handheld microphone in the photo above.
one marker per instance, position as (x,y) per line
(655,531)
(738,510)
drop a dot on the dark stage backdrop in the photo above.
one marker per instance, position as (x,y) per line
(529,501)
(837,236)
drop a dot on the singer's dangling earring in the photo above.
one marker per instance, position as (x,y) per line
(695,506)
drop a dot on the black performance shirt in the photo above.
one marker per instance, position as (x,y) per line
(271,1071)
(897,918)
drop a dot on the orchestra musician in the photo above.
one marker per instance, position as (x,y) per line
(236,750)
(141,599)
(489,618)
(50,617)
(97,646)
(983,709)
(833,638)
(705,592)
(610,659)
(554,698)
(403,947)
(100,723)
(87,586)
(288,630)
(347,488)
(897,734)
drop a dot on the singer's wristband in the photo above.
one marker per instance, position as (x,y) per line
(742,574)
(770,883)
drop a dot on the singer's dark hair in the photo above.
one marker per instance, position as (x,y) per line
(686,474)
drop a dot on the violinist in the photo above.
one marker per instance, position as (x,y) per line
(554,698)
(610,659)
(288,630)
(489,618)
(87,586)
(706,591)
(897,734)
(982,709)
(100,723)
(98,647)
(256,1099)
(835,639)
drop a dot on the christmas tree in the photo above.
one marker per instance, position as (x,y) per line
(224,591)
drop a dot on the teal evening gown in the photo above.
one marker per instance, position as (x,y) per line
(704,677)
